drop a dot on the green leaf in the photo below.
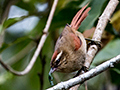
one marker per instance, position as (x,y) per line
(115,74)
(12,21)
(116,70)
(17,51)
(8,22)
(111,50)
(96,8)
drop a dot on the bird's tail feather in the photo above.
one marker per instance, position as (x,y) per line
(79,17)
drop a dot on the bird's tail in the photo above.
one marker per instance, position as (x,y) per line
(79,17)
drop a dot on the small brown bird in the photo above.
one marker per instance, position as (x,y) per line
(70,49)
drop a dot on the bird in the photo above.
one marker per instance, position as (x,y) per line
(70,49)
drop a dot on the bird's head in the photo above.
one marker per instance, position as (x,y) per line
(58,61)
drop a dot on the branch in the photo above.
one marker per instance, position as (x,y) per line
(93,72)
(40,45)
(103,20)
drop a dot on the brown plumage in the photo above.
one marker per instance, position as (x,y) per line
(70,48)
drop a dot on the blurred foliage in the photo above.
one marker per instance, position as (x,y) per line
(21,25)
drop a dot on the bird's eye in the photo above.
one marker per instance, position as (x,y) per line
(57,61)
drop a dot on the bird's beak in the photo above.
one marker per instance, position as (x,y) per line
(52,70)
(50,75)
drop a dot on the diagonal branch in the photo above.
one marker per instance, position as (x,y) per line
(93,72)
(40,45)
(103,20)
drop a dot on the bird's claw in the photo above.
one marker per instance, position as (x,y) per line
(93,42)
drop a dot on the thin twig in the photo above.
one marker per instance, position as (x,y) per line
(93,72)
(42,73)
(40,45)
